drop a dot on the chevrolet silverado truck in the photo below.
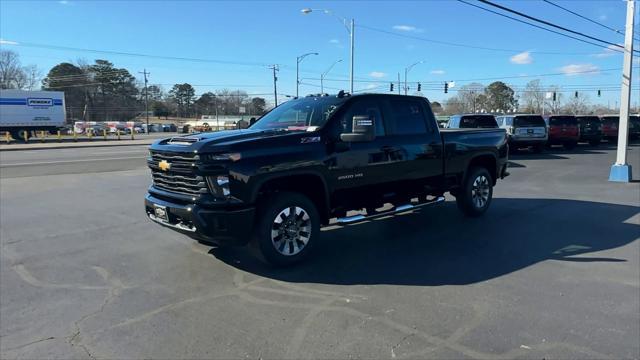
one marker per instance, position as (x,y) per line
(318,160)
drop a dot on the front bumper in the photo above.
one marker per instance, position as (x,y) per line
(215,226)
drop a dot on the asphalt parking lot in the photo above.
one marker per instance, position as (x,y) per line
(551,271)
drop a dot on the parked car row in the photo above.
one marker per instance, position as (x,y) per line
(537,131)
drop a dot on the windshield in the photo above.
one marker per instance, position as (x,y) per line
(588,119)
(306,114)
(529,121)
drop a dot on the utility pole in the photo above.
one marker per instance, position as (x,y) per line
(399,84)
(146,98)
(275,81)
(621,171)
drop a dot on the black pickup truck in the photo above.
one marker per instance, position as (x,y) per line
(312,160)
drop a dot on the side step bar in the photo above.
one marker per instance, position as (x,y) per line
(398,209)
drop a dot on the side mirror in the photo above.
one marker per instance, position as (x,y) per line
(252,121)
(364,129)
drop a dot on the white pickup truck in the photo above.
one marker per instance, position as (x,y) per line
(22,112)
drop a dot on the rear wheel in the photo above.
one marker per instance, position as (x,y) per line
(20,135)
(287,227)
(474,197)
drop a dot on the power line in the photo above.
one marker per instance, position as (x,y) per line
(463,45)
(584,17)
(123,53)
(534,25)
(504,8)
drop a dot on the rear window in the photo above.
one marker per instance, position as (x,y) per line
(478,121)
(634,118)
(529,121)
(588,119)
(610,120)
(562,120)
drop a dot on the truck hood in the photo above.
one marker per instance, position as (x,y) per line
(219,140)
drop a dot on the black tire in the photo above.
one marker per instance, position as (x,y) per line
(19,135)
(474,197)
(538,149)
(569,145)
(594,142)
(293,230)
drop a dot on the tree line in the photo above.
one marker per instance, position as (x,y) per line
(534,98)
(101,91)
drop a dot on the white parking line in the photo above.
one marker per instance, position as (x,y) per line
(68,161)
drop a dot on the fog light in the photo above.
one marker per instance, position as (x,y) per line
(219,185)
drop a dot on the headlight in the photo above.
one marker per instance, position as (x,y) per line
(219,185)
(224,157)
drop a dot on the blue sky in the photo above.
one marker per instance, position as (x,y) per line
(265,32)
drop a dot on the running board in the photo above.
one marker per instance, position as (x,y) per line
(398,209)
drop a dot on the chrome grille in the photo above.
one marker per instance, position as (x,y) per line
(181,177)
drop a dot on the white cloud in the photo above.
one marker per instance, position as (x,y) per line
(579,69)
(7,42)
(522,59)
(608,51)
(63,2)
(603,17)
(377,74)
(437,72)
(407,28)
(334,41)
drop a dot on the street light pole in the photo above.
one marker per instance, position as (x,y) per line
(350,26)
(325,74)
(406,71)
(621,171)
(298,61)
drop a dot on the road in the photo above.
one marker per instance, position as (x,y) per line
(551,271)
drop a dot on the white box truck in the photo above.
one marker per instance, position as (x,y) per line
(22,112)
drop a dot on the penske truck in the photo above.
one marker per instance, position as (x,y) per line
(22,112)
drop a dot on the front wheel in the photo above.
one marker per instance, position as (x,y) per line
(287,227)
(474,197)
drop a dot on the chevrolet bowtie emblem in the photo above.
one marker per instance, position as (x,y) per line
(164,165)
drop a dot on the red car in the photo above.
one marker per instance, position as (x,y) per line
(610,127)
(563,130)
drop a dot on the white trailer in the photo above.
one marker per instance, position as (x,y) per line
(22,112)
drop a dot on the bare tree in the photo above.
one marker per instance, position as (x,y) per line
(12,74)
(552,104)
(577,104)
(533,97)
(33,77)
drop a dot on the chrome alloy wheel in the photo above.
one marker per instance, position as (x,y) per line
(291,230)
(480,191)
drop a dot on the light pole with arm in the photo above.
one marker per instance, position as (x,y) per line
(406,71)
(350,26)
(298,61)
(325,74)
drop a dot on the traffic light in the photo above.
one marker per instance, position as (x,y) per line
(599,93)
(419,87)
(576,95)
(391,87)
(446,87)
(554,96)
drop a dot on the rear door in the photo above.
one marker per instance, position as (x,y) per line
(414,145)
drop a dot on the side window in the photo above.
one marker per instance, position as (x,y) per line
(366,107)
(408,117)
(500,121)
(508,121)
